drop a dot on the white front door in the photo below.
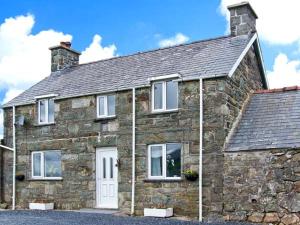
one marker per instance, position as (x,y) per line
(107,178)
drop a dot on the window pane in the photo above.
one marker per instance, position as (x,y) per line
(111,101)
(156,161)
(52,164)
(51,110)
(42,107)
(104,167)
(172,99)
(158,96)
(101,106)
(173,160)
(111,168)
(36,164)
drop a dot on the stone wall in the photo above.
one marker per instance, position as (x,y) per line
(262,186)
(223,101)
(181,126)
(77,134)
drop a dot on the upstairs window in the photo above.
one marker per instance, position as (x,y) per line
(46,111)
(106,106)
(164,161)
(164,95)
(46,165)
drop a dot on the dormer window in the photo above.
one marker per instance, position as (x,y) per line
(164,95)
(46,111)
(106,106)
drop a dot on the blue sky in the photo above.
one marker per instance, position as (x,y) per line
(102,29)
(131,25)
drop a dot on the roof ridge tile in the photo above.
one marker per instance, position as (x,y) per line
(276,90)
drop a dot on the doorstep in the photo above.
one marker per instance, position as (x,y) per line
(100,211)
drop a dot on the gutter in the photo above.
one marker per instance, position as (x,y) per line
(13,149)
(200,146)
(14,160)
(133,154)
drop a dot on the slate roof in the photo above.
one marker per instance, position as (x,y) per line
(207,58)
(271,120)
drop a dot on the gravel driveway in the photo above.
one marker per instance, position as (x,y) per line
(77,218)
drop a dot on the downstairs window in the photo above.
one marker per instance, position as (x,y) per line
(46,165)
(164,161)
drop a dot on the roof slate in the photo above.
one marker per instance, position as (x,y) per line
(271,120)
(208,58)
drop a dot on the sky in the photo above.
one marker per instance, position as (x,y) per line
(104,29)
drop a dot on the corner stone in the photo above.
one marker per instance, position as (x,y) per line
(291,219)
(256,218)
(271,218)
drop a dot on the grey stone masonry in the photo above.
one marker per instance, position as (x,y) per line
(62,56)
(262,186)
(242,19)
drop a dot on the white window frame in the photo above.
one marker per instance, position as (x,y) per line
(164,96)
(164,163)
(42,177)
(46,111)
(105,106)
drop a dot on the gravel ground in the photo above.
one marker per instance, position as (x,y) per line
(77,218)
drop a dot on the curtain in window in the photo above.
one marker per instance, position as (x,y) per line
(158,96)
(111,102)
(171,92)
(42,111)
(156,161)
(51,110)
(37,164)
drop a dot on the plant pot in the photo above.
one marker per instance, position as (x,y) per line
(41,206)
(191,177)
(20,177)
(158,212)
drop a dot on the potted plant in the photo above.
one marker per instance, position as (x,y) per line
(191,175)
(20,176)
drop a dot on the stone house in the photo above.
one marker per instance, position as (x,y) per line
(119,133)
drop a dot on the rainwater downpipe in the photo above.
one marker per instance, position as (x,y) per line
(133,153)
(14,160)
(200,146)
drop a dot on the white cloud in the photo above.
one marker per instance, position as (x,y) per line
(25,57)
(278,20)
(285,72)
(96,51)
(179,38)
(10,94)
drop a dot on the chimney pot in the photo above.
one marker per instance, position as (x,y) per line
(66,44)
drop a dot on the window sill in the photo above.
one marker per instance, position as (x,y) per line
(44,124)
(165,111)
(105,118)
(170,180)
(45,179)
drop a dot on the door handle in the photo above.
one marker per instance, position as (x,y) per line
(118,164)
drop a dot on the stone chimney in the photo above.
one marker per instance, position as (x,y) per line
(63,56)
(242,19)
